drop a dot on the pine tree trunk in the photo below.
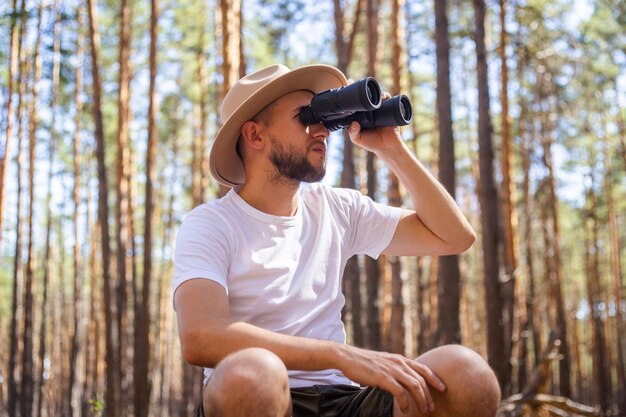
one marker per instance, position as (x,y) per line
(43,341)
(13,64)
(196,157)
(449,276)
(578,357)
(14,400)
(77,336)
(489,211)
(112,376)
(61,334)
(621,130)
(525,133)
(230,11)
(616,272)
(372,267)
(142,318)
(396,326)
(122,190)
(508,174)
(28,367)
(91,375)
(433,304)
(164,316)
(420,297)
(555,276)
(352,273)
(202,168)
(231,67)
(594,296)
(509,211)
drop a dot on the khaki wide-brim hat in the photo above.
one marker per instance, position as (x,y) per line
(249,96)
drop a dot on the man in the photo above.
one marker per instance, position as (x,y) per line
(258,272)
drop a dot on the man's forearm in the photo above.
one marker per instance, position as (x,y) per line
(432,203)
(400,376)
(208,346)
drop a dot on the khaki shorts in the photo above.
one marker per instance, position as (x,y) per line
(337,401)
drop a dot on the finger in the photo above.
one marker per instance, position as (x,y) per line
(386,95)
(431,378)
(416,385)
(354,130)
(399,394)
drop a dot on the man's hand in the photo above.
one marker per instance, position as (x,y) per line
(376,140)
(402,377)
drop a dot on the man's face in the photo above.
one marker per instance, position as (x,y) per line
(297,152)
(293,164)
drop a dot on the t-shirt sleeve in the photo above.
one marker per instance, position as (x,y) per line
(202,249)
(371,224)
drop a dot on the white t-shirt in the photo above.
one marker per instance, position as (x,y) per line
(283,274)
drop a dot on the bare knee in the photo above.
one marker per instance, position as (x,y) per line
(248,381)
(472,387)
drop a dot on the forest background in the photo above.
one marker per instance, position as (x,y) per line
(108,111)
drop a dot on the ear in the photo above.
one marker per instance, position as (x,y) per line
(252,134)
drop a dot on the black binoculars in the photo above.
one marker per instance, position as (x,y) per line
(360,101)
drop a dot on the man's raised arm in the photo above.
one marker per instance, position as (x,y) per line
(437,226)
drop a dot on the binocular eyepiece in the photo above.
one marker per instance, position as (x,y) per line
(360,101)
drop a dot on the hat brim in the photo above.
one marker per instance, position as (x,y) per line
(226,166)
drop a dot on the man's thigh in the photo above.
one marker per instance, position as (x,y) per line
(341,400)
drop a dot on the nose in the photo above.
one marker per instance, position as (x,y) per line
(318,131)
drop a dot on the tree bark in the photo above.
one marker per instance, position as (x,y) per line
(14,400)
(28,366)
(142,318)
(372,267)
(92,350)
(15,349)
(60,314)
(112,376)
(122,191)
(555,275)
(43,341)
(396,326)
(13,64)
(489,211)
(616,273)
(526,135)
(164,316)
(621,130)
(201,171)
(352,273)
(230,43)
(594,297)
(449,276)
(509,211)
(231,32)
(421,313)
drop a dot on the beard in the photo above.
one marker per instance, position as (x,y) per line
(292,164)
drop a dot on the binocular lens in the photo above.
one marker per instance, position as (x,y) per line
(406,112)
(373,94)
(360,101)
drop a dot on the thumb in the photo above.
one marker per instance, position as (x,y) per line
(354,131)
